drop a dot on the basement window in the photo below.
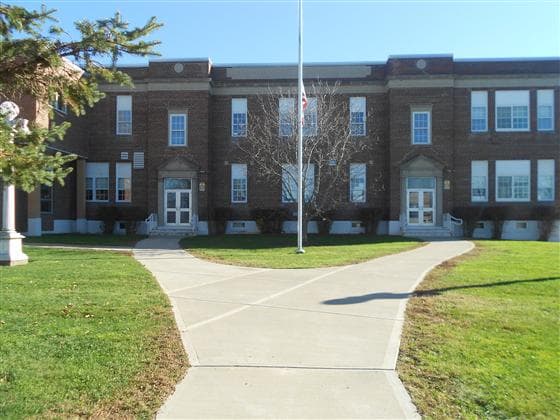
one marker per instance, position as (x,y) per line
(521,225)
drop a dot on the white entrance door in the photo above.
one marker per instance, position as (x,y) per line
(420,207)
(178,207)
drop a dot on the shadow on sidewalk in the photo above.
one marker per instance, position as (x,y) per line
(350,300)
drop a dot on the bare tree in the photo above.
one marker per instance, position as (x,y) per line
(330,144)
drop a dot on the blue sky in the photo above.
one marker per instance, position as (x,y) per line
(250,31)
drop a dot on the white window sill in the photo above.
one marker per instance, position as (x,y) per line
(513,200)
(512,130)
(177,145)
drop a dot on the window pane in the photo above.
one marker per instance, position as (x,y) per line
(544,120)
(478,188)
(478,119)
(177,184)
(521,187)
(504,187)
(520,117)
(545,187)
(504,117)
(423,182)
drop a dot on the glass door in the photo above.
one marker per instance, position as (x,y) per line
(420,207)
(177,207)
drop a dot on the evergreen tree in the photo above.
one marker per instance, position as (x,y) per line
(36,57)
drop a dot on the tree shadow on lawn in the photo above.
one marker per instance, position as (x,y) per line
(272,241)
(350,300)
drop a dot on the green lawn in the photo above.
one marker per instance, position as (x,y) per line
(278,251)
(85,239)
(85,334)
(482,335)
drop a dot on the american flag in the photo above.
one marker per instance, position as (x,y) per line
(303,96)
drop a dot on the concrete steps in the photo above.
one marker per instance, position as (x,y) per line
(426,232)
(173,231)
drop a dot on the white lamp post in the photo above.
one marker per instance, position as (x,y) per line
(10,241)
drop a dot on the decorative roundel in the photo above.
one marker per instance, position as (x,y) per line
(178,67)
(421,64)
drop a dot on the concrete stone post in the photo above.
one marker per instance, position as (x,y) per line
(10,241)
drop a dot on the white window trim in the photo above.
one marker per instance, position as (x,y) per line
(429,112)
(117,116)
(509,130)
(308,188)
(233,134)
(479,199)
(511,175)
(185,136)
(365,183)
(246,183)
(547,200)
(361,100)
(117,177)
(311,106)
(479,106)
(551,129)
(94,183)
(292,109)
(59,105)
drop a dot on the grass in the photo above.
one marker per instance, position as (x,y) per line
(85,239)
(278,251)
(85,334)
(481,337)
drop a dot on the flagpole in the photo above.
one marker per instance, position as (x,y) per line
(300,249)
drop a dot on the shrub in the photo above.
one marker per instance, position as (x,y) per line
(496,214)
(370,218)
(220,217)
(546,216)
(470,216)
(270,220)
(324,222)
(132,216)
(108,216)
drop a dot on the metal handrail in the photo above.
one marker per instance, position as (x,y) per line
(455,220)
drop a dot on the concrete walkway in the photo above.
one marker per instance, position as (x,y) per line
(314,343)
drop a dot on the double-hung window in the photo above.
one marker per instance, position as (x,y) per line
(512,110)
(358,116)
(239,117)
(124,182)
(46,198)
(177,129)
(97,181)
(479,180)
(124,115)
(238,183)
(290,183)
(286,116)
(545,110)
(479,111)
(358,182)
(421,130)
(513,180)
(310,118)
(545,184)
